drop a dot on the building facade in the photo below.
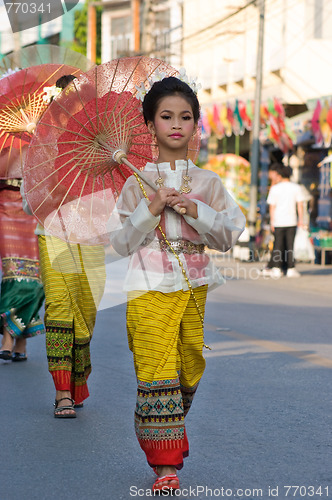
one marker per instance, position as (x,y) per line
(150,27)
(220,46)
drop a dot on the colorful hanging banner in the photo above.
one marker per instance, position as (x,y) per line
(225,120)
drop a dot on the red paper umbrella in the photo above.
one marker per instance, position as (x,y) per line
(13,151)
(22,102)
(87,144)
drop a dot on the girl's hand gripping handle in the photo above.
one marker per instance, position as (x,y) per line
(179,210)
(120,157)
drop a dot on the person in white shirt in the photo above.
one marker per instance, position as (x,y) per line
(274,178)
(286,213)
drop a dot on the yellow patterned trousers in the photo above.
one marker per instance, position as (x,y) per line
(74,278)
(165,335)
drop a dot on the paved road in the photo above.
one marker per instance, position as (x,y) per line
(261,420)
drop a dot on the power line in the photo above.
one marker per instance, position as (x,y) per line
(270,16)
(211,26)
(228,33)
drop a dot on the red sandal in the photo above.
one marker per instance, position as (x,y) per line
(158,486)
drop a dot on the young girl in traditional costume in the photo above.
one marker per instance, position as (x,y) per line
(169,273)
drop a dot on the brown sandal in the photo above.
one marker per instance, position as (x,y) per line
(59,409)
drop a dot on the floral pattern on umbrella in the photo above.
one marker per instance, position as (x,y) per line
(22,104)
(78,160)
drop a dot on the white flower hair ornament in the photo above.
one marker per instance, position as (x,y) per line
(50,92)
(9,72)
(142,90)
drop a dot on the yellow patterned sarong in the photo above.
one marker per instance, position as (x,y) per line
(165,335)
(74,278)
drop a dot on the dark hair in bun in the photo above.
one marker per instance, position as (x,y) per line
(167,87)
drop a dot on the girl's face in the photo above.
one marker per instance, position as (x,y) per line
(173,126)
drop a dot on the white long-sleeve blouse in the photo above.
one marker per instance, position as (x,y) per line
(134,230)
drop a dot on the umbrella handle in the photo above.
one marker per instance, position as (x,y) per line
(179,210)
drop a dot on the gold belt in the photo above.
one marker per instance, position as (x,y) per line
(11,182)
(179,246)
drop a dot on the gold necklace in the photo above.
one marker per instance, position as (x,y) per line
(186,179)
(160,181)
(185,188)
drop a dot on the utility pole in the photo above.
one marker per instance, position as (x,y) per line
(255,146)
(136,25)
